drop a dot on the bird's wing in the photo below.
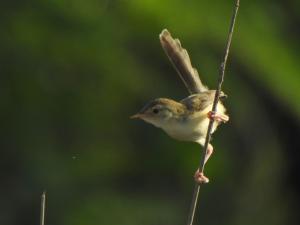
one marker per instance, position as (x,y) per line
(200,101)
(182,63)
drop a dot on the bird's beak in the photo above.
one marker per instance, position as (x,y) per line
(136,116)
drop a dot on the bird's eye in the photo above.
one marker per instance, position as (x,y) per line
(155,111)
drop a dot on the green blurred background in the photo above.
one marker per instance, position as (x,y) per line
(72,72)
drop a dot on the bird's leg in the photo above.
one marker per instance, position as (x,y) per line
(217,116)
(199,176)
(210,150)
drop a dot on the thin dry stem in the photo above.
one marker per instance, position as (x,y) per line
(214,108)
(43,208)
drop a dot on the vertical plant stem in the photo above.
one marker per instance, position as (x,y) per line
(214,108)
(43,208)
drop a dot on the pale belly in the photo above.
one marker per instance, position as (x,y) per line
(189,131)
(194,129)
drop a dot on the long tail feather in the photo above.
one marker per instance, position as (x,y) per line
(182,63)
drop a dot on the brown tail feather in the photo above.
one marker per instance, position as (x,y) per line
(182,63)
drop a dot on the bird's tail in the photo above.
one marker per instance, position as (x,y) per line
(182,63)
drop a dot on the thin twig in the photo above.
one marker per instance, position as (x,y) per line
(214,108)
(43,208)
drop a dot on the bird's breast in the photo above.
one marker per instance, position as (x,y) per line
(187,130)
(191,128)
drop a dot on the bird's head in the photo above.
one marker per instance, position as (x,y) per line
(159,111)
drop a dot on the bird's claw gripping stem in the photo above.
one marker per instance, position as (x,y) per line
(200,178)
(217,117)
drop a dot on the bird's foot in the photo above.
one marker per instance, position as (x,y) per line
(200,178)
(217,117)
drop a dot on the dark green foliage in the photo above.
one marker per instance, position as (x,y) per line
(72,72)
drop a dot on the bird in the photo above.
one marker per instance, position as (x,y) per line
(187,119)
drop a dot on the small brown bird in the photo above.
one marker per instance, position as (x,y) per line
(188,119)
